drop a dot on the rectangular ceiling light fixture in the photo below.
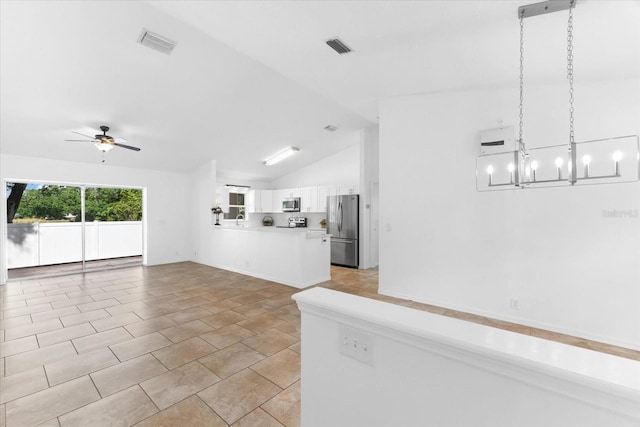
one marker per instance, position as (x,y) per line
(156,42)
(339,46)
(281,156)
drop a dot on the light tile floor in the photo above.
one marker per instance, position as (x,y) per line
(171,345)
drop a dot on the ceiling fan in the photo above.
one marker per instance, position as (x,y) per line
(104,142)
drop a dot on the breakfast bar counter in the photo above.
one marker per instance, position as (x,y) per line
(297,257)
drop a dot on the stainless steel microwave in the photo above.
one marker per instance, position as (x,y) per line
(291,204)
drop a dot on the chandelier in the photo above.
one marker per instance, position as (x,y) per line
(505,167)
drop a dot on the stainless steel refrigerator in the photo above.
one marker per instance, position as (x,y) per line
(342,224)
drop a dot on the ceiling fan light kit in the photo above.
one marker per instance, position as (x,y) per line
(103,147)
(104,142)
(611,160)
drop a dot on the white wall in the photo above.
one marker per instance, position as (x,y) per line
(369,209)
(573,269)
(167,213)
(340,168)
(202,196)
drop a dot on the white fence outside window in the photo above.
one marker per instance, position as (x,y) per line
(30,245)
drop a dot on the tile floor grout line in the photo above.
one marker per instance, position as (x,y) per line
(46,375)
(254,371)
(154,403)
(205,402)
(270,414)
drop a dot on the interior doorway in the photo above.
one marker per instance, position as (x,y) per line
(55,229)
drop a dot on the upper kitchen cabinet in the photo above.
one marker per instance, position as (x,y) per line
(312,199)
(347,190)
(288,193)
(222,197)
(253,201)
(277,197)
(267,201)
(260,201)
(323,193)
(318,195)
(309,201)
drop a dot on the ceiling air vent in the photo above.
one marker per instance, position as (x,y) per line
(156,42)
(338,46)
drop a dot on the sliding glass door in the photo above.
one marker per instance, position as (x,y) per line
(43,235)
(59,229)
(112,227)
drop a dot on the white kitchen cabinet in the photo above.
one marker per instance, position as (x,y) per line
(347,189)
(323,193)
(305,199)
(222,197)
(253,201)
(266,201)
(309,199)
(260,201)
(277,198)
(312,199)
(292,192)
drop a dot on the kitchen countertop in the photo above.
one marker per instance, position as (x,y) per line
(311,232)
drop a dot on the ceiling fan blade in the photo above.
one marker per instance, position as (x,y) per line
(78,140)
(129,147)
(120,140)
(87,136)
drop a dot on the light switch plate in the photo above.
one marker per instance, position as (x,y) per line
(356,344)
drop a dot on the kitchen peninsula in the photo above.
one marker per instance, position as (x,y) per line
(297,257)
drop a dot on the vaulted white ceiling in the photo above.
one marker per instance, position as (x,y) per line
(248,78)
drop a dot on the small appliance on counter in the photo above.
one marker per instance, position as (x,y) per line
(267,221)
(295,222)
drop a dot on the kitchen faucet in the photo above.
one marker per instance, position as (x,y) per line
(238,217)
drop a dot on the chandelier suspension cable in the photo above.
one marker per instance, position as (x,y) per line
(570,71)
(573,172)
(520,140)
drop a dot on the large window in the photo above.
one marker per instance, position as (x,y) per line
(236,206)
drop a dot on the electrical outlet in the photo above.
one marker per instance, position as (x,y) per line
(515,304)
(356,344)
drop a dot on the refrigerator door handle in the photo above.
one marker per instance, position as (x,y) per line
(340,220)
